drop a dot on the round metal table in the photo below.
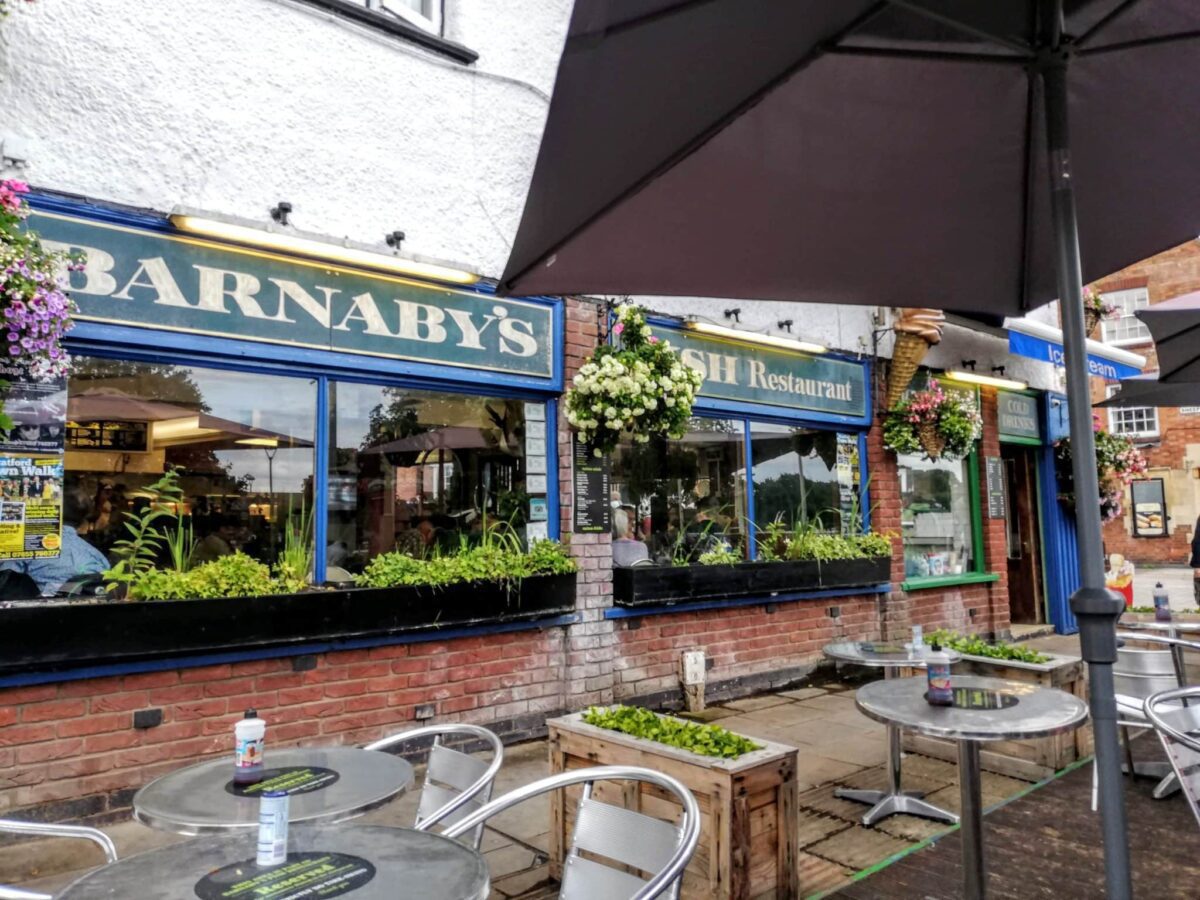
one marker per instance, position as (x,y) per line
(893,801)
(342,782)
(986,709)
(360,862)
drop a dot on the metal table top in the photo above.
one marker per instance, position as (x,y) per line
(882,653)
(360,862)
(1180,627)
(341,782)
(999,709)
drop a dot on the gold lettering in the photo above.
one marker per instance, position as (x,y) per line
(516,338)
(722,369)
(695,359)
(96,268)
(160,281)
(415,327)
(758,372)
(466,325)
(213,292)
(290,290)
(363,309)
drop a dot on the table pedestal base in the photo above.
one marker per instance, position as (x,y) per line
(894,801)
(1168,784)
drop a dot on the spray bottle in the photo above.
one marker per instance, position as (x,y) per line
(937,670)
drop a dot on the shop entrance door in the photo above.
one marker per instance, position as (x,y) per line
(1024,556)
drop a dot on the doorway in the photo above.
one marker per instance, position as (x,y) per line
(1021,531)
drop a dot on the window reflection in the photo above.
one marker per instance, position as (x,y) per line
(420,471)
(804,477)
(242,445)
(935,501)
(676,500)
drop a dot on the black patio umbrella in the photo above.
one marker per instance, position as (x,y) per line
(879,152)
(1149,391)
(1175,327)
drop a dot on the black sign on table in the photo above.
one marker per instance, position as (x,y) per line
(306,875)
(997,496)
(593,511)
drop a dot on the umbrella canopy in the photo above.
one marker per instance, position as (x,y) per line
(1150,391)
(452,437)
(853,151)
(880,152)
(1175,327)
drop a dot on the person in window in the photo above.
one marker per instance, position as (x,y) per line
(419,540)
(223,540)
(705,532)
(76,557)
(626,549)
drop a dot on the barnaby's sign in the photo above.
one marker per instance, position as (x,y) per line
(147,279)
(755,373)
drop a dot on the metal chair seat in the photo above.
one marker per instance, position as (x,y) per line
(611,844)
(1178,728)
(456,784)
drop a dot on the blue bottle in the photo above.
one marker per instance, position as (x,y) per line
(937,669)
(1162,604)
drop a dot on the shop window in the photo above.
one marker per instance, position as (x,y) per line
(804,477)
(939,513)
(242,445)
(425,14)
(1133,421)
(419,471)
(676,500)
(1123,326)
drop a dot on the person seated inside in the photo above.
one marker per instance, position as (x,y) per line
(223,540)
(76,557)
(626,549)
(419,540)
(705,532)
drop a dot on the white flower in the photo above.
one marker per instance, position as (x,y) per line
(610,413)
(670,401)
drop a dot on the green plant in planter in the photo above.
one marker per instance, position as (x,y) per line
(136,553)
(973,645)
(495,559)
(295,561)
(236,575)
(720,556)
(706,740)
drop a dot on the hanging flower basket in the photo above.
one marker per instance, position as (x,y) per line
(943,426)
(1118,462)
(637,387)
(33,303)
(1095,310)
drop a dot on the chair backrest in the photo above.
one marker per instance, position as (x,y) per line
(610,842)
(1178,727)
(456,784)
(1142,671)
(44,829)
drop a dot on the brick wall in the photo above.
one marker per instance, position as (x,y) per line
(72,750)
(1176,451)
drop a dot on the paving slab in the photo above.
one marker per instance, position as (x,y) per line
(813,769)
(818,875)
(875,779)
(843,701)
(524,884)
(803,693)
(788,714)
(708,714)
(858,848)
(816,827)
(911,828)
(822,800)
(750,704)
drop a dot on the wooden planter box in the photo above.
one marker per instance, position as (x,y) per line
(42,635)
(747,806)
(1030,760)
(667,585)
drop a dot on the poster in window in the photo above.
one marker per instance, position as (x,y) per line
(848,478)
(38,410)
(30,506)
(1149,508)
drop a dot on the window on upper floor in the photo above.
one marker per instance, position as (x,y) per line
(1123,326)
(425,14)
(1133,421)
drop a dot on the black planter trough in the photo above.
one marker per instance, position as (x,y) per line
(55,635)
(670,585)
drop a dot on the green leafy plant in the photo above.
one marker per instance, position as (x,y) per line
(136,554)
(498,557)
(295,560)
(236,575)
(705,740)
(973,645)
(720,556)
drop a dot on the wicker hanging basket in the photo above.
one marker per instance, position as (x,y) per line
(910,349)
(1091,318)
(933,442)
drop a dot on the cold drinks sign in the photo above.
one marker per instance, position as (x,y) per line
(139,277)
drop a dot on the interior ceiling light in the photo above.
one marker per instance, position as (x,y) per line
(258,442)
(274,238)
(750,337)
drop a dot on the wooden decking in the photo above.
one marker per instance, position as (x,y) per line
(1046,844)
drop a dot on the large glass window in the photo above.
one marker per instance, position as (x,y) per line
(937,510)
(676,500)
(242,445)
(804,477)
(1124,327)
(419,471)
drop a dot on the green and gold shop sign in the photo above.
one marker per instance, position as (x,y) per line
(1018,417)
(152,280)
(767,376)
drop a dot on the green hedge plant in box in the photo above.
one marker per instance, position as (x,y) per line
(706,740)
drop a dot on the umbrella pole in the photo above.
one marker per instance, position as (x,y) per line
(1096,607)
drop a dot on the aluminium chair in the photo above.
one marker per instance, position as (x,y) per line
(43,829)
(456,783)
(1175,717)
(631,840)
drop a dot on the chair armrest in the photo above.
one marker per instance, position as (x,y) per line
(44,829)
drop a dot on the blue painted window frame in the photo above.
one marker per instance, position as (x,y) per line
(151,345)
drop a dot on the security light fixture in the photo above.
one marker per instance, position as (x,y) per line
(785,325)
(735,314)
(750,337)
(280,212)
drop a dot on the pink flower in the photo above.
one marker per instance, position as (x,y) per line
(618,328)
(653,339)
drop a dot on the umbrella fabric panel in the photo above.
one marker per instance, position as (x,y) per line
(1136,392)
(1175,327)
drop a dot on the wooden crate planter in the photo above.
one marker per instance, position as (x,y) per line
(1030,760)
(747,806)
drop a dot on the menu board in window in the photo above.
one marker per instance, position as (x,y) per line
(125,437)
(1149,508)
(593,511)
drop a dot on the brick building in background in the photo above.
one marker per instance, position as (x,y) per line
(1169,437)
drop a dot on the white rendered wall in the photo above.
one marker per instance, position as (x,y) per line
(232,105)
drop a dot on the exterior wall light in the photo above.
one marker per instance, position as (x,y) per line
(750,337)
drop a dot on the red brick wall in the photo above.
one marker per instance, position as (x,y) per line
(76,742)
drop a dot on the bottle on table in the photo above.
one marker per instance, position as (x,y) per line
(1162,603)
(272,828)
(249,735)
(937,671)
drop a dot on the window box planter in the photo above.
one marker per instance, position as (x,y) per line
(1030,760)
(747,806)
(666,585)
(50,635)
